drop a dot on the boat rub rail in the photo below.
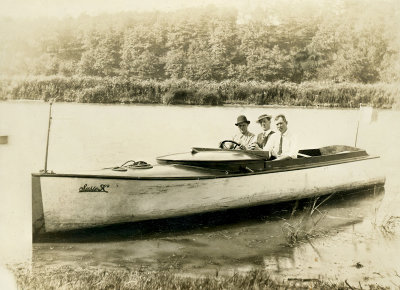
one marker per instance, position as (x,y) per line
(269,167)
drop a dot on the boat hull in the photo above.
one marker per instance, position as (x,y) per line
(69,202)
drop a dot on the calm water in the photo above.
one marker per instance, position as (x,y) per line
(343,240)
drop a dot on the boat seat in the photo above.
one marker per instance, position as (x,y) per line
(335,149)
(309,152)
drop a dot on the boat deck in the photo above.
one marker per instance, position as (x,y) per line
(243,164)
(156,172)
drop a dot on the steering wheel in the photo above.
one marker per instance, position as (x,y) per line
(222,144)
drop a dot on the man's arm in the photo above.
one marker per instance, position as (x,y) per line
(255,145)
(293,149)
(249,143)
(270,145)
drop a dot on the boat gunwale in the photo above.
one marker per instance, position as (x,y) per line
(276,169)
(253,156)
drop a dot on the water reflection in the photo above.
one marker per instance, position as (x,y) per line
(265,236)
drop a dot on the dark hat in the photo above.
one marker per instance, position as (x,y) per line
(242,119)
(263,116)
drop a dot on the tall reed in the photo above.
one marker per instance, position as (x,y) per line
(182,91)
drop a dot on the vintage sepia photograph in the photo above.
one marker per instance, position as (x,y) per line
(212,144)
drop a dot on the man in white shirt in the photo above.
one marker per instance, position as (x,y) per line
(262,138)
(283,144)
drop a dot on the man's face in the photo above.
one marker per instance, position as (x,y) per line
(243,127)
(265,124)
(281,125)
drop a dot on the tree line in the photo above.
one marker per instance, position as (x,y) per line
(340,41)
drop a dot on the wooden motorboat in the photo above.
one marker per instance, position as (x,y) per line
(202,180)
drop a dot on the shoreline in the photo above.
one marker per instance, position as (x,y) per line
(91,277)
(228,105)
(120,90)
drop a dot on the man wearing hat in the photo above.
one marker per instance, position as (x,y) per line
(244,137)
(265,122)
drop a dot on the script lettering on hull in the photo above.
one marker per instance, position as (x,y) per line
(100,188)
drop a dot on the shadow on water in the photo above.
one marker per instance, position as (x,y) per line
(292,218)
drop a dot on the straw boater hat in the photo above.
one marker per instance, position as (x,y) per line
(242,119)
(263,116)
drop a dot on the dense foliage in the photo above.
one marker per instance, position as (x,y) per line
(295,41)
(183,91)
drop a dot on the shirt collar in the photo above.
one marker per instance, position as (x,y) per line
(286,132)
(267,132)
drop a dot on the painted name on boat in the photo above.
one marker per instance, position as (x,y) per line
(101,188)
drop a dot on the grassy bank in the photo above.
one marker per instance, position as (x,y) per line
(66,277)
(125,90)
